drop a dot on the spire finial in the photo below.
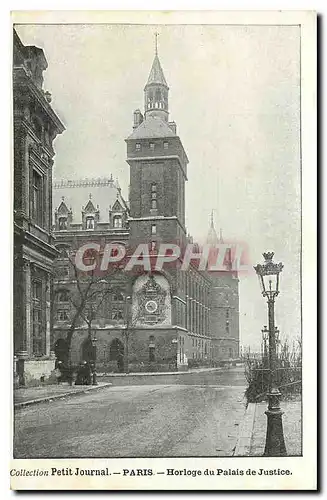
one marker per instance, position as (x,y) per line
(156,42)
(211,219)
(90,196)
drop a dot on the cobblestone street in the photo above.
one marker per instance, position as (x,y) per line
(164,419)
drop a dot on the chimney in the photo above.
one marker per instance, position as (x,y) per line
(172,125)
(138,118)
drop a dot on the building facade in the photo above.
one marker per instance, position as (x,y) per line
(141,320)
(35,127)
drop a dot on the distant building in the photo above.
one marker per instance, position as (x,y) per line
(155,320)
(35,127)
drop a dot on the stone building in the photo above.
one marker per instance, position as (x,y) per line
(35,127)
(155,320)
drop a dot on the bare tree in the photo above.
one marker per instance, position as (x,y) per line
(87,296)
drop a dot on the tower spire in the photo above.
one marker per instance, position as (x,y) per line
(156,43)
(211,219)
(212,238)
(156,89)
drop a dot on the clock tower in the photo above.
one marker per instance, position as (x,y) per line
(158,169)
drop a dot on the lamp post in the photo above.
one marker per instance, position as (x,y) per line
(277,332)
(94,352)
(265,338)
(268,274)
(127,298)
(174,343)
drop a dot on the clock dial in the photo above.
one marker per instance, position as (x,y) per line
(151,306)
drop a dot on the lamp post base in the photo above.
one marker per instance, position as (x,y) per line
(275,444)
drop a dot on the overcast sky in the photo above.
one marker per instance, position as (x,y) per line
(235,96)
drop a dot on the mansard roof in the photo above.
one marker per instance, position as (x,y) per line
(104,193)
(151,128)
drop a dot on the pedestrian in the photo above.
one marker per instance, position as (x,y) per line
(120,362)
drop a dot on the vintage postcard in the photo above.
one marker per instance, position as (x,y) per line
(164,187)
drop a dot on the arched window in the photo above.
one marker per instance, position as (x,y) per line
(118,221)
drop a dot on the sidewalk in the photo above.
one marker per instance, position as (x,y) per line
(252,435)
(32,395)
(184,372)
(292,423)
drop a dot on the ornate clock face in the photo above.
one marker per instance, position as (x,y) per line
(151,306)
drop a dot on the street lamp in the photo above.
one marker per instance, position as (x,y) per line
(126,333)
(265,337)
(277,332)
(268,274)
(94,373)
(174,343)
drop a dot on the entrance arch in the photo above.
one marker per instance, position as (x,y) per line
(61,350)
(88,350)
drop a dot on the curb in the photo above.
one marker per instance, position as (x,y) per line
(243,445)
(61,396)
(152,374)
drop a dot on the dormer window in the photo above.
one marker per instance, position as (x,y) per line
(152,146)
(165,144)
(118,221)
(89,222)
(62,223)
(138,146)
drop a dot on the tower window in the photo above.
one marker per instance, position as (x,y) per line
(153,229)
(154,195)
(152,145)
(165,145)
(138,146)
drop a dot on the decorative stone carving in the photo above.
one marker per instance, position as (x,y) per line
(151,301)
